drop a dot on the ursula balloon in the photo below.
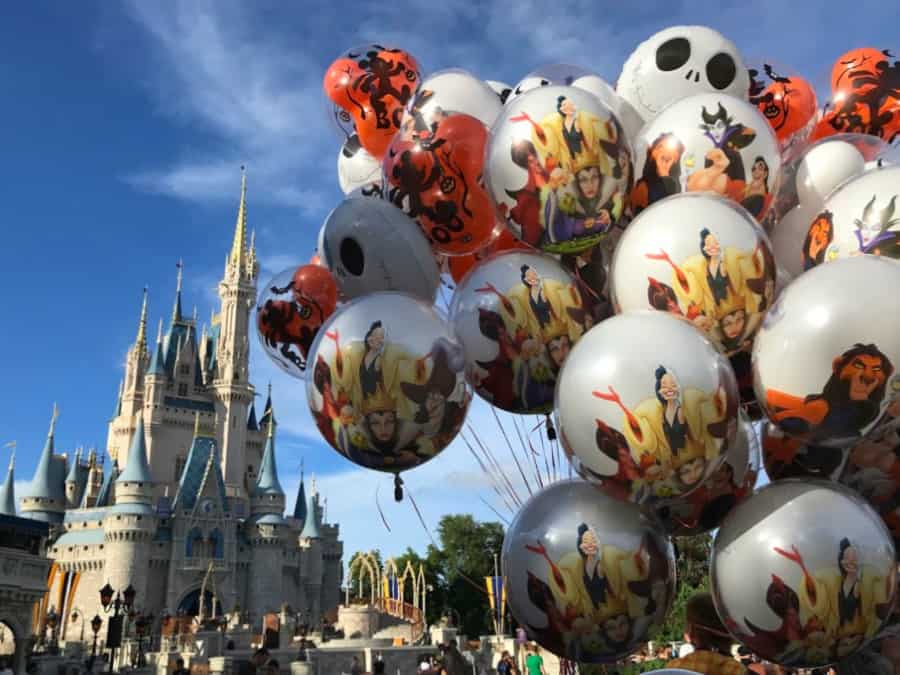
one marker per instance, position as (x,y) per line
(704,509)
(559,169)
(589,577)
(388,390)
(434,173)
(646,407)
(824,359)
(368,87)
(803,573)
(703,259)
(289,313)
(370,245)
(861,217)
(708,143)
(517,315)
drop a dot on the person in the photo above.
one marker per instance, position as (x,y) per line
(711,641)
(356,668)
(454,663)
(534,663)
(506,665)
(179,667)
(5,668)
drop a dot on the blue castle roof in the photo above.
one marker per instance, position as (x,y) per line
(137,468)
(8,493)
(104,498)
(267,482)
(194,469)
(300,505)
(311,523)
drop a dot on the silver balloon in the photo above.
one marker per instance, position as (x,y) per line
(370,245)
(732,483)
(803,573)
(589,577)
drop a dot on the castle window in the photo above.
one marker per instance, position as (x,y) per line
(217,542)
(182,389)
(184,370)
(193,545)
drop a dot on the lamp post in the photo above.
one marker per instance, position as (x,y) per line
(141,623)
(52,622)
(76,615)
(96,623)
(117,603)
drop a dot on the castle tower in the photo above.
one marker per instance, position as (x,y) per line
(94,481)
(8,491)
(232,391)
(46,498)
(131,523)
(155,380)
(266,530)
(312,567)
(75,482)
(135,367)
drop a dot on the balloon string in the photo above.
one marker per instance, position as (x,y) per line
(380,512)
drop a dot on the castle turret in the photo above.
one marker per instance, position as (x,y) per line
(8,491)
(300,504)
(230,387)
(155,381)
(267,532)
(131,523)
(135,367)
(75,482)
(46,497)
(94,481)
(312,563)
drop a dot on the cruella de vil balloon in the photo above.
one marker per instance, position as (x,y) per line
(646,407)
(803,573)
(825,358)
(589,577)
(388,388)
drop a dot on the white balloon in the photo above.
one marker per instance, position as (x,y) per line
(552,74)
(640,361)
(825,167)
(862,216)
(678,62)
(356,167)
(824,362)
(788,237)
(502,89)
(456,91)
(626,114)
(663,258)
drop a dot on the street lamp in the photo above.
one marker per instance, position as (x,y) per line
(75,616)
(118,604)
(141,623)
(52,622)
(96,622)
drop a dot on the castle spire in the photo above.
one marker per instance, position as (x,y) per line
(268,483)
(239,246)
(137,468)
(158,363)
(141,341)
(311,522)
(300,504)
(43,484)
(176,310)
(7,489)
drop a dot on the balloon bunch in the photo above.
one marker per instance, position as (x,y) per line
(614,268)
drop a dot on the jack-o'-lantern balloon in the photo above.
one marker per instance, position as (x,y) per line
(369,88)
(291,309)
(787,102)
(434,173)
(459,265)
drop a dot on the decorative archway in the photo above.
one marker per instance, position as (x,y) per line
(189,605)
(365,565)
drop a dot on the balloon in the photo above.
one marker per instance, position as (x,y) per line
(370,245)
(289,313)
(554,198)
(517,315)
(719,143)
(663,259)
(368,87)
(388,390)
(356,167)
(801,573)
(825,166)
(733,482)
(872,470)
(788,239)
(789,104)
(788,457)
(590,578)
(860,217)
(626,114)
(866,96)
(502,89)
(451,91)
(824,358)
(553,74)
(435,175)
(617,391)
(459,265)
(679,62)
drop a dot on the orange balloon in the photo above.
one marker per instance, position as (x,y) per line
(788,106)
(853,64)
(370,87)
(435,174)
(316,260)
(459,265)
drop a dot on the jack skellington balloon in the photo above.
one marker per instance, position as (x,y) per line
(678,62)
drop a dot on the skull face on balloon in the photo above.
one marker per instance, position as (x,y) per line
(368,88)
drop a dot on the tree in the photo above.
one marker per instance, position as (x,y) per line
(465,558)
(692,569)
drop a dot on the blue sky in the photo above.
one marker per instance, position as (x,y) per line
(124,128)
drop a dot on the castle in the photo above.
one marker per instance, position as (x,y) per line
(191,498)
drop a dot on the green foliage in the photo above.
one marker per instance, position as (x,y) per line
(692,568)
(360,572)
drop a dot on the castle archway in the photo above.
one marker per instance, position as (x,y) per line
(189,605)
